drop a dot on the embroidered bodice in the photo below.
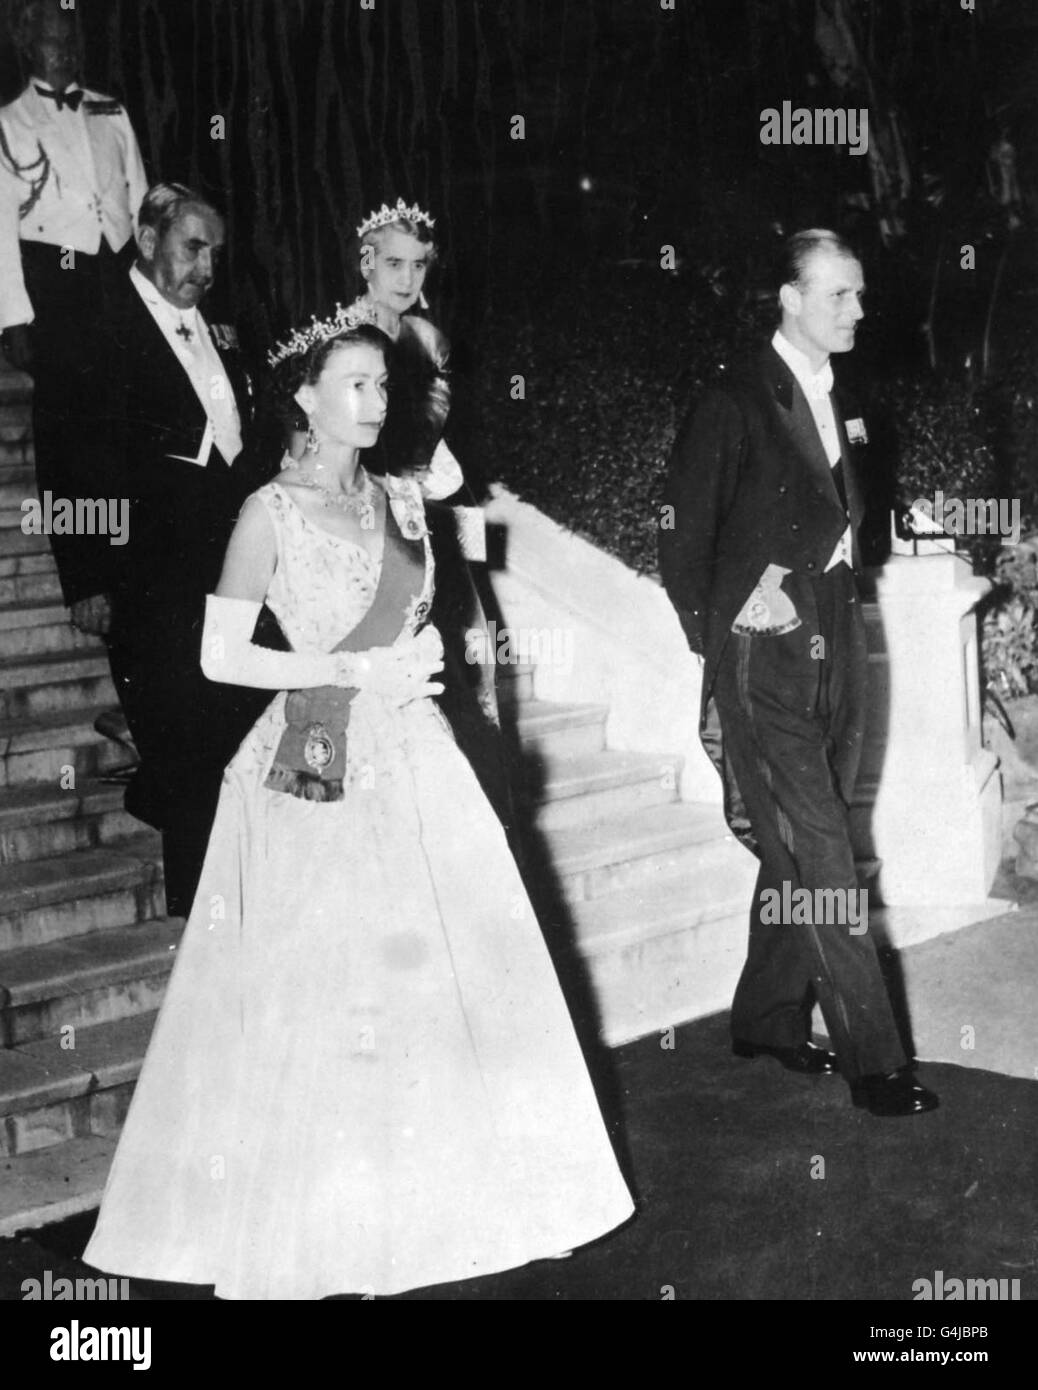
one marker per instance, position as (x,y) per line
(323,584)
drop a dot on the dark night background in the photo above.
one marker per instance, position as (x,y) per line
(330,108)
(642,130)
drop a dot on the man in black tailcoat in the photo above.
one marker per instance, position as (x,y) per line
(769,488)
(173,437)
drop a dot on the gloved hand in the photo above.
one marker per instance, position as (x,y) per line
(92,614)
(401,673)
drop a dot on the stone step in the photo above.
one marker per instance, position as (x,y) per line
(21,553)
(44,822)
(514,684)
(92,890)
(624,917)
(642,847)
(17,485)
(16,450)
(52,1093)
(15,386)
(659,954)
(561,728)
(17,478)
(15,419)
(53,682)
(96,978)
(39,584)
(586,788)
(33,629)
(41,750)
(52,1184)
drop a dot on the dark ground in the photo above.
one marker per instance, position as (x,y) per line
(720,1153)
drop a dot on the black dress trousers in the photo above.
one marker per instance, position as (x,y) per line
(792,712)
(71,295)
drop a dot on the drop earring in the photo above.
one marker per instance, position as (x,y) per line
(313,444)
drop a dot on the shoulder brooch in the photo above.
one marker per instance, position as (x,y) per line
(405,498)
(225,336)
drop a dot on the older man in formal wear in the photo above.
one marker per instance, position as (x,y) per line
(71,180)
(174,418)
(768,486)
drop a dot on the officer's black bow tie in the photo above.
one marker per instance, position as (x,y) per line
(60,99)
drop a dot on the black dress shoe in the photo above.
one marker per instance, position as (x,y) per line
(895,1094)
(807,1059)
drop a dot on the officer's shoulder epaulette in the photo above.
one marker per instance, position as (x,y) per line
(102,106)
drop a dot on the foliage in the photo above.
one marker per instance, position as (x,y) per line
(1009,655)
(609,367)
(942,436)
(1009,650)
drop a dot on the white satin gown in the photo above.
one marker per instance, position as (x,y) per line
(364,1077)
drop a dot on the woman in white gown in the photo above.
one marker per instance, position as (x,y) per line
(364,1077)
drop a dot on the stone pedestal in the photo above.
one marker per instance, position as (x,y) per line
(930,794)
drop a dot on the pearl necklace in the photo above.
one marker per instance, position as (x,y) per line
(362,501)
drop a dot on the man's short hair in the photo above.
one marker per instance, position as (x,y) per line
(798,249)
(28,15)
(164,202)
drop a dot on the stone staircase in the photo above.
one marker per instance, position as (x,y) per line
(631,885)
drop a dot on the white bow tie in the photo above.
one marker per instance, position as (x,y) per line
(818,386)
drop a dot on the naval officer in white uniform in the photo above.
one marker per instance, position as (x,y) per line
(71,181)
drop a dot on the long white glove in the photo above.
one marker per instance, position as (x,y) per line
(400,673)
(443,477)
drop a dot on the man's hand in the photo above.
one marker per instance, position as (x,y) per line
(18,347)
(93,615)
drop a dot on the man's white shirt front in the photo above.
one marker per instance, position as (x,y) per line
(817,386)
(201,361)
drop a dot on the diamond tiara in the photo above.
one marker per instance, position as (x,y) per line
(385,215)
(300,340)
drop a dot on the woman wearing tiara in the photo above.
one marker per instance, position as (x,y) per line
(395,251)
(363,1078)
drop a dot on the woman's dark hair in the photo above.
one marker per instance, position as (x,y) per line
(305,368)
